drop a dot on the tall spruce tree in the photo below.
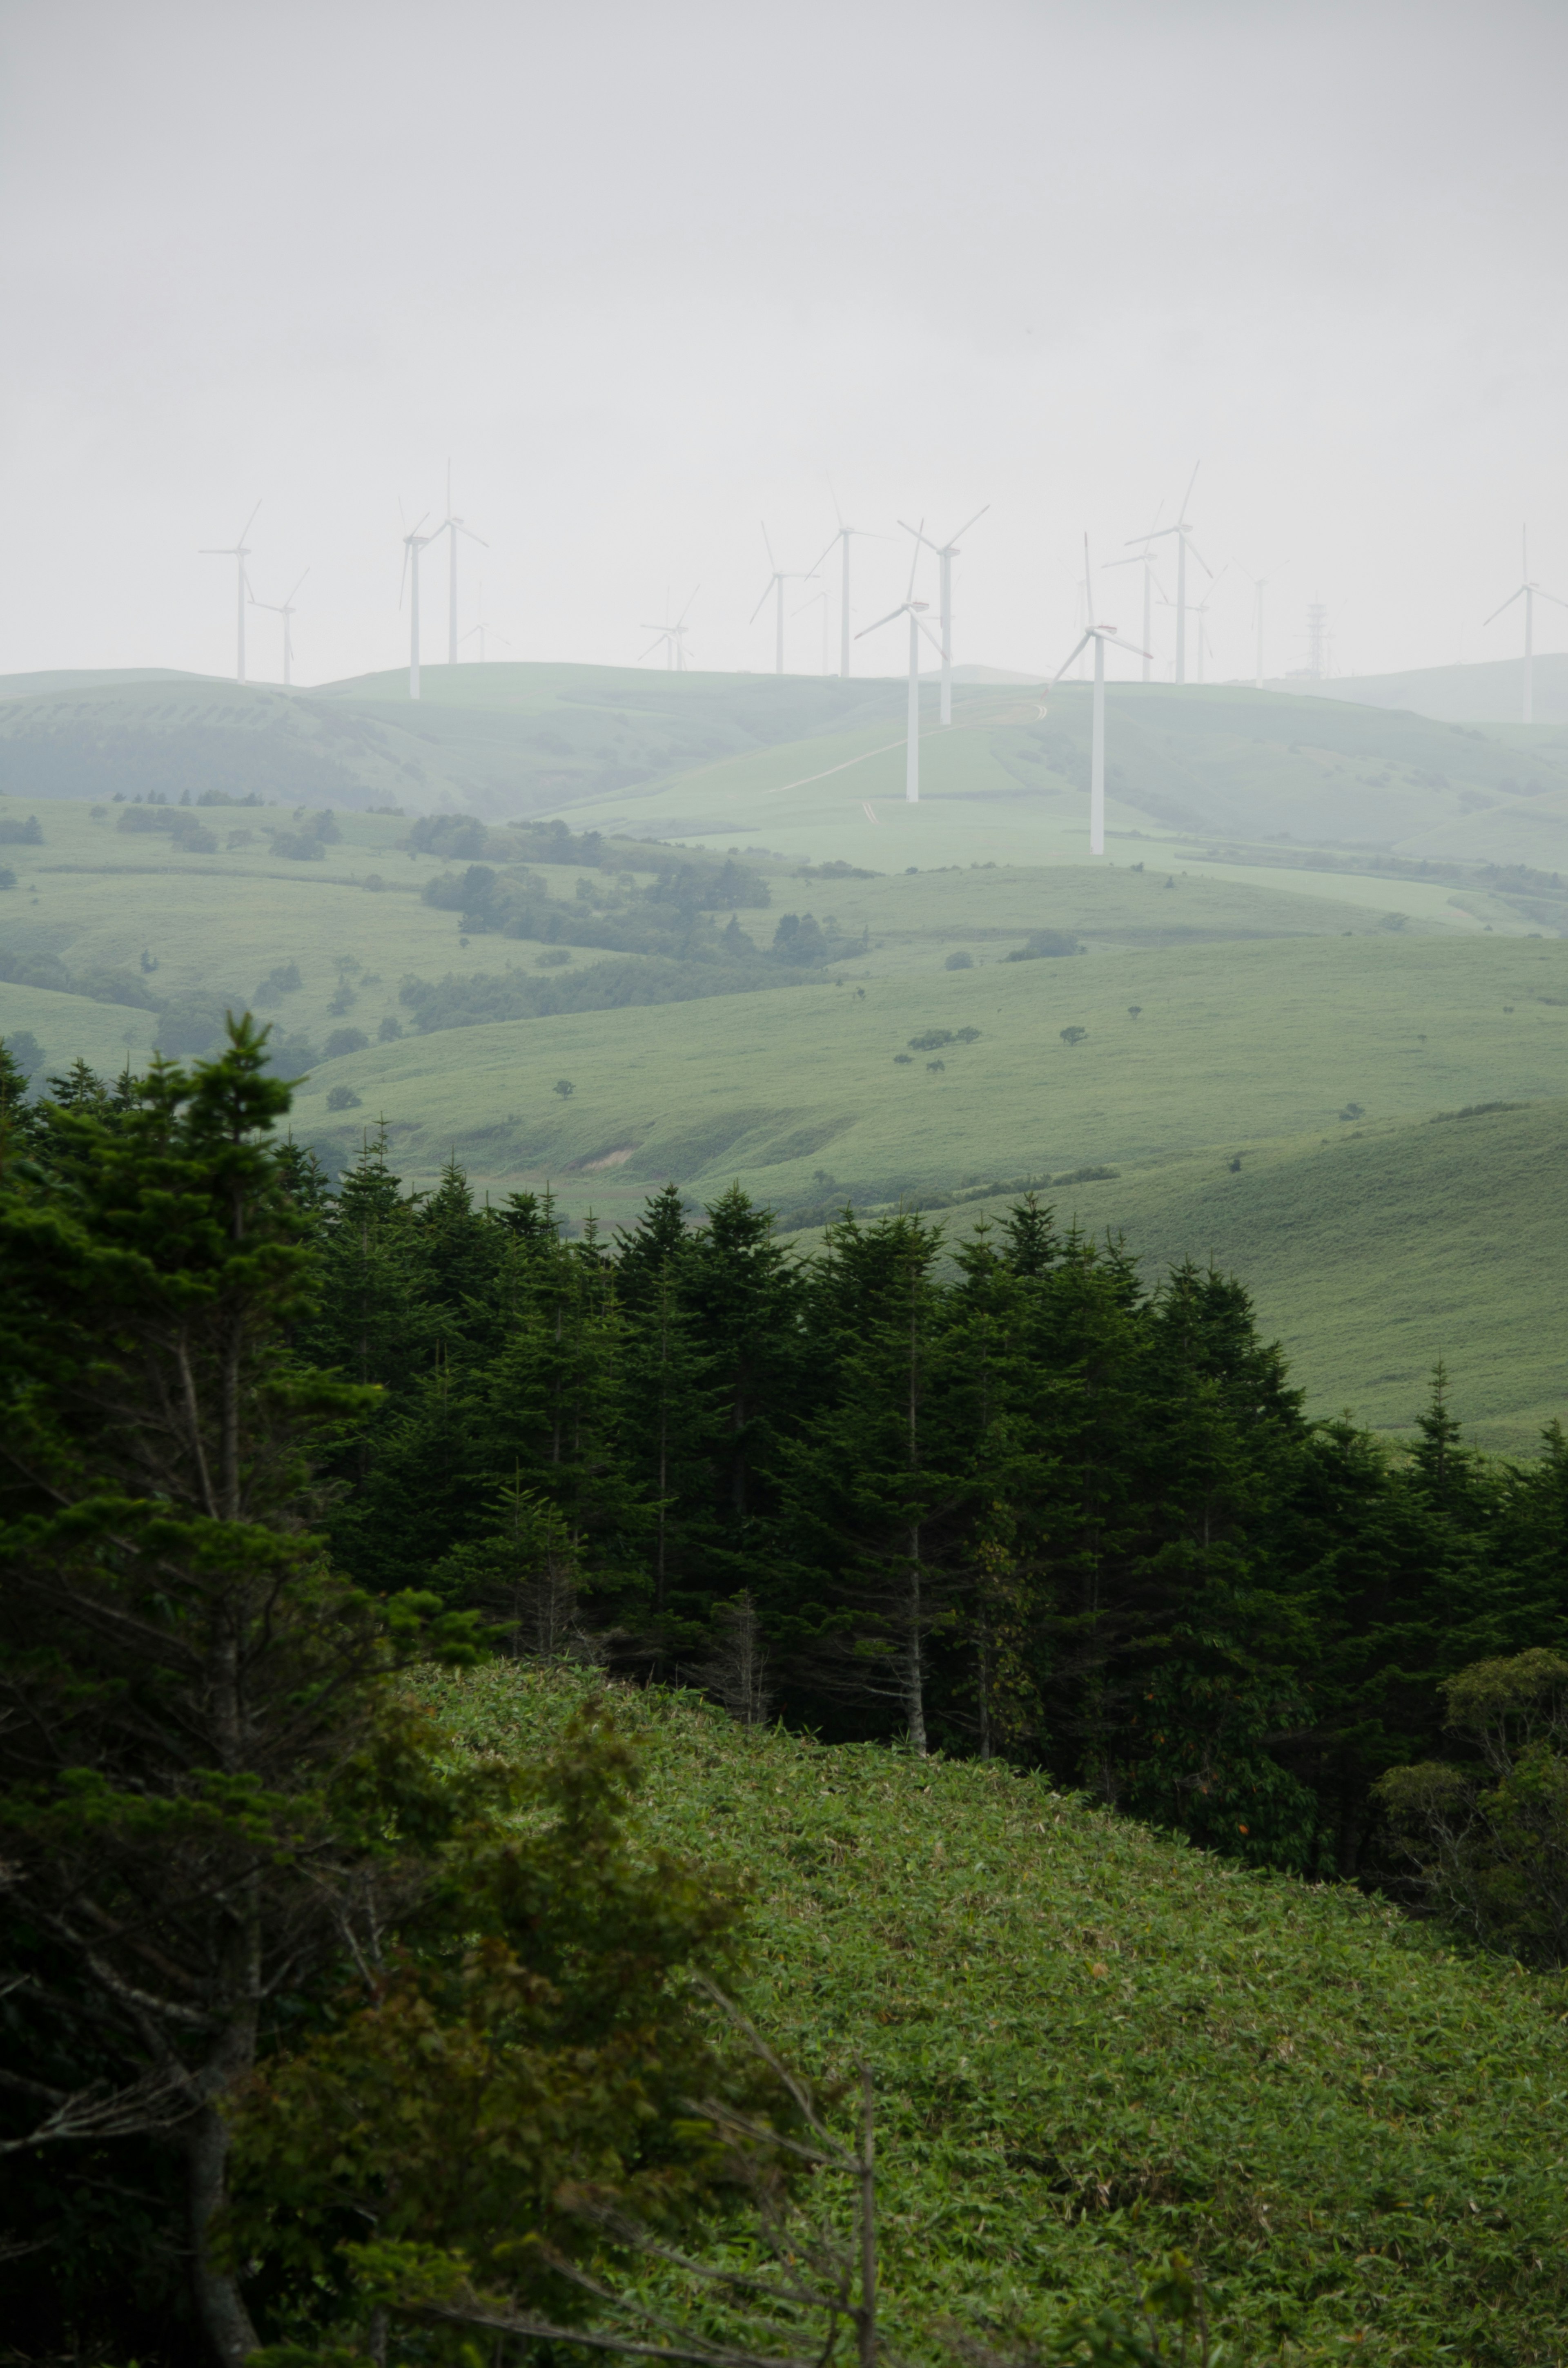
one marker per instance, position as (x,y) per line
(201,1788)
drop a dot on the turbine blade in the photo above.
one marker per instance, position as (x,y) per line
(764,601)
(1156,534)
(247,526)
(822,555)
(900,610)
(1507,604)
(1072,654)
(771,560)
(953,539)
(919,534)
(1196,554)
(935,639)
(1106,635)
(1190,482)
(1547,595)
(915,530)
(687,610)
(461,528)
(653,644)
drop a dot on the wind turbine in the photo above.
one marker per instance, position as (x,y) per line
(1201,611)
(239,554)
(1530,593)
(916,612)
(284,608)
(1145,560)
(1183,533)
(1259,586)
(819,599)
(452,526)
(413,543)
(775,583)
(1099,636)
(946,553)
(842,536)
(673,636)
(481,628)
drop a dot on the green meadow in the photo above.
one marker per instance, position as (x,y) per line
(1091,2044)
(1319,927)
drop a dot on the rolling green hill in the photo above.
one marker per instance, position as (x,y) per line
(815,765)
(1268,1000)
(1490,692)
(1091,2044)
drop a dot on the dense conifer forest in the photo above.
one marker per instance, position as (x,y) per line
(983,1495)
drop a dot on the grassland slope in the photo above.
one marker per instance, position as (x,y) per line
(1091,2043)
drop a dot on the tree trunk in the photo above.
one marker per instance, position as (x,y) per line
(914,1656)
(220,2307)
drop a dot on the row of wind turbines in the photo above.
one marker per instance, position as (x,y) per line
(415,542)
(671,637)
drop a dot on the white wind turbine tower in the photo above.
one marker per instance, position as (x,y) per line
(1259,586)
(452,526)
(239,554)
(1201,611)
(1530,593)
(1145,560)
(482,628)
(916,612)
(946,553)
(775,583)
(843,535)
(1183,533)
(819,599)
(673,637)
(413,543)
(1099,636)
(284,608)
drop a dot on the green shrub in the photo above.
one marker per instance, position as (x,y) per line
(959,961)
(1489,1840)
(346,1040)
(343,1098)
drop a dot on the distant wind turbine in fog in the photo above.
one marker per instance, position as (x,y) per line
(1530,593)
(481,628)
(775,583)
(1145,560)
(284,608)
(452,526)
(1201,611)
(1183,533)
(1259,586)
(1099,636)
(819,599)
(916,612)
(413,543)
(945,553)
(843,535)
(239,554)
(672,636)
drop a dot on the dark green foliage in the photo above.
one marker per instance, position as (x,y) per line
(14,833)
(1044,945)
(203,1784)
(344,1039)
(1489,1838)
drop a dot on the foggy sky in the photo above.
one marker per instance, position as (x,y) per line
(647,276)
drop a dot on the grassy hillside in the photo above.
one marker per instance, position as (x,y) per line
(1372,1243)
(1490,692)
(769,758)
(1373,1253)
(1091,2044)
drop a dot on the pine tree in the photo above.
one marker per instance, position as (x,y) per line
(194,1750)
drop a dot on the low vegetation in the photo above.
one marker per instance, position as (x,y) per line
(350,2005)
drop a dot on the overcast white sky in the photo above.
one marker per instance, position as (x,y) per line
(649,275)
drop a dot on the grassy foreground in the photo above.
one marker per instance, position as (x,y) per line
(1091,2043)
